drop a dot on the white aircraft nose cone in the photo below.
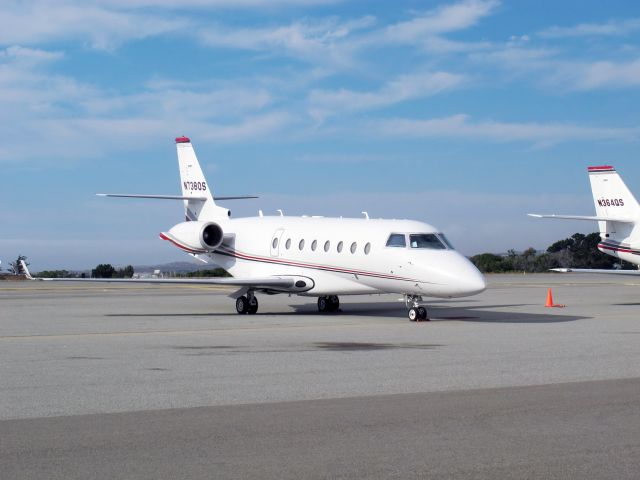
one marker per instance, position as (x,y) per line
(474,282)
(457,276)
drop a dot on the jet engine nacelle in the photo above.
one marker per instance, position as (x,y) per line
(197,237)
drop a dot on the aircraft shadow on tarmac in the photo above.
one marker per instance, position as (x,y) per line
(476,313)
(396,310)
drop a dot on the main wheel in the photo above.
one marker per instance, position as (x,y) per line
(413,314)
(334,303)
(422,313)
(242,305)
(253,306)
(323,304)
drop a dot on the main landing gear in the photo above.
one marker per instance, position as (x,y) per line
(416,312)
(328,303)
(248,304)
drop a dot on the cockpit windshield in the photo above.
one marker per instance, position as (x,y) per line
(426,240)
(446,241)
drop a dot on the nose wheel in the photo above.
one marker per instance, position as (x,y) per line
(328,303)
(248,304)
(416,312)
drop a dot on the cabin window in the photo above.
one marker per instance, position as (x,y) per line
(353,248)
(301,244)
(274,243)
(327,245)
(339,247)
(426,240)
(367,248)
(287,245)
(397,240)
(314,244)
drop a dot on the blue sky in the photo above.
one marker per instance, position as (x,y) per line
(464,114)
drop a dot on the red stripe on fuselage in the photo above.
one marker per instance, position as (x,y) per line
(180,246)
(617,249)
(244,256)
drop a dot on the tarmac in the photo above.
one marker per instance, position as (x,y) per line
(113,381)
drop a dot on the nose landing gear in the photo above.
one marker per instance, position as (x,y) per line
(248,304)
(416,312)
(328,303)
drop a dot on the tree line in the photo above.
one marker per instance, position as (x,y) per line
(103,270)
(577,251)
(106,270)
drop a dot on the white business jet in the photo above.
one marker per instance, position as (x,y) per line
(311,256)
(618,217)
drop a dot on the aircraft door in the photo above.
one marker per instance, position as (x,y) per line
(275,242)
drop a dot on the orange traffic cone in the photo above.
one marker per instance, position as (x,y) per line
(550,303)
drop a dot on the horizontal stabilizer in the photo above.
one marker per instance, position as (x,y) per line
(173,197)
(596,270)
(584,217)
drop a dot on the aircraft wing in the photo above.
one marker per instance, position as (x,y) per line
(584,217)
(276,283)
(596,270)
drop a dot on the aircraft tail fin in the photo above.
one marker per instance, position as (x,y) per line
(611,196)
(613,199)
(199,203)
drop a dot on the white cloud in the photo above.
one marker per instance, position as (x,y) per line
(323,103)
(603,74)
(25,87)
(69,139)
(448,18)
(256,127)
(56,118)
(194,104)
(106,24)
(321,42)
(31,55)
(611,28)
(34,22)
(546,67)
(541,134)
(513,56)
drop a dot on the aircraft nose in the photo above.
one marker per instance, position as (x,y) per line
(463,278)
(473,282)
